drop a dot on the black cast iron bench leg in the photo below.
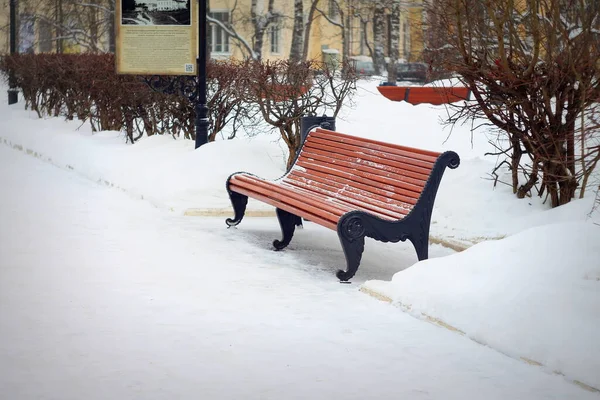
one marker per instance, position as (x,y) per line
(421,247)
(287,222)
(355,225)
(351,231)
(353,248)
(239,203)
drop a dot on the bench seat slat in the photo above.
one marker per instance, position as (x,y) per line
(347,164)
(301,212)
(409,152)
(334,206)
(345,202)
(355,187)
(280,193)
(370,155)
(372,180)
(330,214)
(343,194)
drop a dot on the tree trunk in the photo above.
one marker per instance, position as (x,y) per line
(292,141)
(259,30)
(379,37)
(515,160)
(567,190)
(561,186)
(261,21)
(59,22)
(394,41)
(111,27)
(346,40)
(93,26)
(297,38)
(307,28)
(533,178)
(259,39)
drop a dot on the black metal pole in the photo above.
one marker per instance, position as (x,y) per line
(201,107)
(12,90)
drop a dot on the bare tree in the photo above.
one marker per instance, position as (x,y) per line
(286,91)
(533,67)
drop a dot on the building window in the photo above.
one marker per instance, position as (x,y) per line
(363,37)
(45,43)
(334,11)
(275,38)
(26,39)
(219,39)
(406,40)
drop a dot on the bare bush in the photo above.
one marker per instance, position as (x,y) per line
(246,93)
(285,91)
(534,69)
(85,86)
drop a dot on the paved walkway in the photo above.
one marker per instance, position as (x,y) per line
(105,297)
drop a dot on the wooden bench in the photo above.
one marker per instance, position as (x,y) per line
(425,94)
(358,187)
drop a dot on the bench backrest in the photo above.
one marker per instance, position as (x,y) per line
(384,177)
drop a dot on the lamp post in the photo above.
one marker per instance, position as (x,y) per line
(201,107)
(12,90)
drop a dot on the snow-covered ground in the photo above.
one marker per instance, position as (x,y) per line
(109,292)
(533,295)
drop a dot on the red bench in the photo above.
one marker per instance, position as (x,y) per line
(425,94)
(356,186)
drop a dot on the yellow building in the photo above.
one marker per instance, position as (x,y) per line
(57,26)
(37,33)
(4,26)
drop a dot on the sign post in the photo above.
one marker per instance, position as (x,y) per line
(158,38)
(201,107)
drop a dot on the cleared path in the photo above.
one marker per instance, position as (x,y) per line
(105,297)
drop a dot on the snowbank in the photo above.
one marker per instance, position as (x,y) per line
(163,170)
(533,295)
